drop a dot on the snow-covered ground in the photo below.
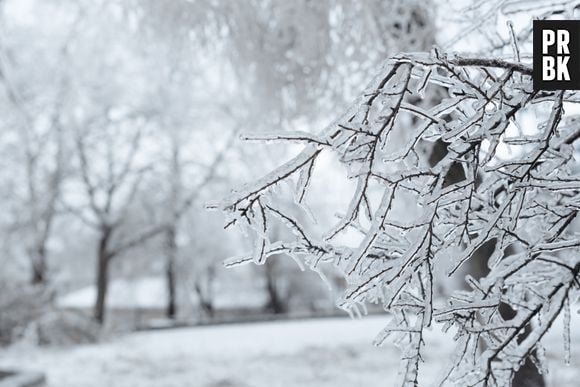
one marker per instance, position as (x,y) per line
(315,353)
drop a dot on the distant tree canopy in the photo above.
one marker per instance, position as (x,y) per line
(119,118)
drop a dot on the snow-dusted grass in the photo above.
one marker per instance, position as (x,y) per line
(315,353)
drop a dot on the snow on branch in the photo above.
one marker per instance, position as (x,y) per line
(493,184)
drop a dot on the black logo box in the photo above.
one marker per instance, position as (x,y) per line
(573,28)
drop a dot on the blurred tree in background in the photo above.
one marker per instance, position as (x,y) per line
(121,117)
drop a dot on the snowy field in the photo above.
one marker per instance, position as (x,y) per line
(315,353)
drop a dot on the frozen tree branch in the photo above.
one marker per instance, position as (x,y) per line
(531,208)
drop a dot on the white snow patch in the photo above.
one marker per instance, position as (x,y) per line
(140,293)
(333,352)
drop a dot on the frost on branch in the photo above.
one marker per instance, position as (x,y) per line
(519,191)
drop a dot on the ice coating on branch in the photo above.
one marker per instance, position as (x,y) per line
(434,208)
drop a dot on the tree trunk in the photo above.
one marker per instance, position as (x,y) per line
(205,302)
(39,266)
(103,259)
(171,233)
(276,303)
(170,256)
(205,293)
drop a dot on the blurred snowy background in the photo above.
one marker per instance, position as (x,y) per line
(119,119)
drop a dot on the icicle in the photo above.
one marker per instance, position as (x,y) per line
(304,179)
(566,331)
(514,41)
(324,278)
(298,262)
(540,360)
